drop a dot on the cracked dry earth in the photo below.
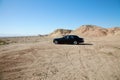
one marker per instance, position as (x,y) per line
(98,60)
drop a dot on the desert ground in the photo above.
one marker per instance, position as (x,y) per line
(37,58)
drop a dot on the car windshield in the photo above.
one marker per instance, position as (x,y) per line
(66,37)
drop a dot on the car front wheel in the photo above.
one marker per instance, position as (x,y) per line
(56,42)
(75,42)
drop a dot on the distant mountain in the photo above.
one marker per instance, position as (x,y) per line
(8,35)
(88,31)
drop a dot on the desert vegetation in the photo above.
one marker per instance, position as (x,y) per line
(3,42)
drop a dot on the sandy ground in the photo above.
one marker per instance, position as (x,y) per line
(96,59)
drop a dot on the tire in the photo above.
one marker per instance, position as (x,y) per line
(56,42)
(75,42)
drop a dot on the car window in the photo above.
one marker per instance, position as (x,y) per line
(66,37)
(72,37)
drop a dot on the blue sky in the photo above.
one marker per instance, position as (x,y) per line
(32,17)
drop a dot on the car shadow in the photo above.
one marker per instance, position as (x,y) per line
(85,44)
(78,44)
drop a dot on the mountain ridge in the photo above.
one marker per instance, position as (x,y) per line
(87,31)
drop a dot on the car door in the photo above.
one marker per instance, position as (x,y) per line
(71,39)
(65,39)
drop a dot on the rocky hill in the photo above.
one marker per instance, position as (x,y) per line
(60,32)
(88,31)
(114,31)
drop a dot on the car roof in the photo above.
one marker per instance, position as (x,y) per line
(70,35)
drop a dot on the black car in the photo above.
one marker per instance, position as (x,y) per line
(68,39)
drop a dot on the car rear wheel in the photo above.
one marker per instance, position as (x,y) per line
(56,42)
(75,42)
